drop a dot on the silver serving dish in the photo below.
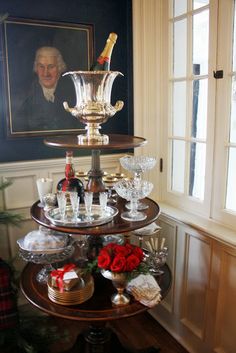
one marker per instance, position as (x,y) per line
(97,216)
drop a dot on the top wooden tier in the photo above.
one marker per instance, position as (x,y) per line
(117,142)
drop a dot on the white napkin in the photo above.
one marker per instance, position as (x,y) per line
(145,289)
(148,230)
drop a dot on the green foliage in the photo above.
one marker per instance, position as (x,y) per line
(7,217)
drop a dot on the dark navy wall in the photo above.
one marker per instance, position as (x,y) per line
(106,16)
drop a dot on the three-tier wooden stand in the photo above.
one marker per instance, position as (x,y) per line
(98,310)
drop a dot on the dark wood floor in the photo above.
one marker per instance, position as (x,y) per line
(137,334)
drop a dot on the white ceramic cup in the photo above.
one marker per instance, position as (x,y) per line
(44,186)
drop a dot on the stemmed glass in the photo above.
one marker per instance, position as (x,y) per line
(88,201)
(109,182)
(75,201)
(103,197)
(156,260)
(133,191)
(61,200)
(137,165)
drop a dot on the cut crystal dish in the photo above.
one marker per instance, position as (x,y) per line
(137,164)
(133,190)
(47,259)
(98,216)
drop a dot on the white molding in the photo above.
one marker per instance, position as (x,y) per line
(147,80)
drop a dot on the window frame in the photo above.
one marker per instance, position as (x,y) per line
(173,198)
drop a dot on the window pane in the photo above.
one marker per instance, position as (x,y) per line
(234,41)
(180,47)
(179,109)
(178,162)
(197,170)
(201,41)
(199,121)
(199,3)
(233,113)
(231,184)
(180,7)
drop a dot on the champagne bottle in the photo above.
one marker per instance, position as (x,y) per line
(70,182)
(103,61)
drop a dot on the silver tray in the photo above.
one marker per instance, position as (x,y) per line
(98,217)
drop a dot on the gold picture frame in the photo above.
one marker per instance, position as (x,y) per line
(30,108)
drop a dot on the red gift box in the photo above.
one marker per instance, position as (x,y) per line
(66,277)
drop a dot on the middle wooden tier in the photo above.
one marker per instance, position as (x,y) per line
(116,226)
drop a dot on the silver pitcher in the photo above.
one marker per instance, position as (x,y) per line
(93,107)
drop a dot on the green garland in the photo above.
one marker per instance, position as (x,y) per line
(7,217)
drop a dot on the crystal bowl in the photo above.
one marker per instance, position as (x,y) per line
(137,164)
(132,189)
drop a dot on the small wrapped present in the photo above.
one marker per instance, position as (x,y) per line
(66,277)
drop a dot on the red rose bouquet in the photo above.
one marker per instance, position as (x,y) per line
(121,258)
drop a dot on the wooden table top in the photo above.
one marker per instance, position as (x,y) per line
(97,308)
(116,142)
(116,226)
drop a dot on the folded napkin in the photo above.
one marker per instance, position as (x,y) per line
(145,289)
(148,230)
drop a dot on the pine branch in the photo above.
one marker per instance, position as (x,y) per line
(7,217)
(5,184)
(10,218)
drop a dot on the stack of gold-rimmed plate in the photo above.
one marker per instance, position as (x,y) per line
(117,175)
(77,295)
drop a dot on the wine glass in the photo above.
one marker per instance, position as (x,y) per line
(109,182)
(132,191)
(75,201)
(103,197)
(137,165)
(44,187)
(61,200)
(81,242)
(88,201)
(156,260)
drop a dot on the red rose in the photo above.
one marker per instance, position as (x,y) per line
(118,264)
(138,252)
(110,246)
(104,259)
(129,248)
(121,249)
(132,263)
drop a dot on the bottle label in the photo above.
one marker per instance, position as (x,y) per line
(103,59)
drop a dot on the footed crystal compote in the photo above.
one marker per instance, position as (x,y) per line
(93,107)
(137,165)
(133,190)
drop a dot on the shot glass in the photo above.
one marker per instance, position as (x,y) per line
(103,197)
(88,201)
(44,186)
(75,201)
(61,200)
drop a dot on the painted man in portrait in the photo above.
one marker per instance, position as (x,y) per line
(42,108)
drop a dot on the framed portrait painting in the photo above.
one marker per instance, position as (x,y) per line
(36,54)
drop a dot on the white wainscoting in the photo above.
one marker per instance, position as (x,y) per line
(20,196)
